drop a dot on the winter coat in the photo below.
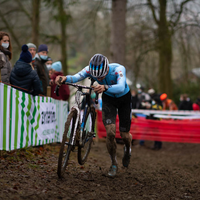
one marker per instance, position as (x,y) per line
(41,69)
(5,66)
(185,105)
(24,78)
(64,91)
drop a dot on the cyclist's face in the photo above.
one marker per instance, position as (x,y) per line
(101,79)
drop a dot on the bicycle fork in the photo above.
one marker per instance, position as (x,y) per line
(76,125)
(82,126)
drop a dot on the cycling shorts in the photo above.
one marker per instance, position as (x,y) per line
(122,106)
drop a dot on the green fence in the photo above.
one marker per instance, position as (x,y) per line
(26,120)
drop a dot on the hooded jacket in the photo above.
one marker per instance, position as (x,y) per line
(24,78)
(5,65)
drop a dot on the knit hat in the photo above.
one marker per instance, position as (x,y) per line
(57,66)
(42,47)
(25,54)
(31,45)
(163,96)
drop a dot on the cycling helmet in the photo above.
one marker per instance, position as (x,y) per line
(98,65)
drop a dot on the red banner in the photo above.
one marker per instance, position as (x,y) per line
(187,131)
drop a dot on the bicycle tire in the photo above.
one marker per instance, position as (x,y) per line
(64,153)
(83,151)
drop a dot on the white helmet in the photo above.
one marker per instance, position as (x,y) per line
(98,65)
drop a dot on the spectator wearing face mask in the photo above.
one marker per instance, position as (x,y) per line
(144,99)
(23,77)
(49,63)
(40,67)
(5,57)
(154,95)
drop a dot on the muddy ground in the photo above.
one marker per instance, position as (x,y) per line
(170,173)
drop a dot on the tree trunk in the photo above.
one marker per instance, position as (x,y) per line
(63,22)
(118,31)
(35,21)
(165,52)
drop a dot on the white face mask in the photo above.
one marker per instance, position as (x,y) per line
(48,67)
(5,45)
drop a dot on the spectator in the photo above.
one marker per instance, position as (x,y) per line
(154,95)
(156,106)
(134,99)
(32,49)
(5,57)
(168,104)
(64,89)
(49,63)
(196,106)
(144,100)
(40,67)
(23,77)
(185,103)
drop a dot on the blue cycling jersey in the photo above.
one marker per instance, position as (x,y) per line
(115,79)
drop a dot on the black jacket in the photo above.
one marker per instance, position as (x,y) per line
(24,78)
(185,105)
(42,72)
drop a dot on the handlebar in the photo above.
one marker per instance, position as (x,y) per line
(79,87)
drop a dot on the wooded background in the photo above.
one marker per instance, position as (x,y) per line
(158,41)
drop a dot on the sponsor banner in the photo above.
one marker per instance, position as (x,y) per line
(27,120)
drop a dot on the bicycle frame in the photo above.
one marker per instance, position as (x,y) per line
(76,106)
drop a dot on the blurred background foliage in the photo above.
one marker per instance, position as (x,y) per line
(157,41)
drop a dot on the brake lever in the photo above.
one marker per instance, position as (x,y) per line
(57,88)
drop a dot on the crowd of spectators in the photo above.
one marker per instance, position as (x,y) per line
(154,101)
(33,72)
(145,100)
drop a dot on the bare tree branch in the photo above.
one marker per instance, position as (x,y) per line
(184,25)
(51,38)
(136,6)
(24,10)
(179,13)
(10,30)
(153,11)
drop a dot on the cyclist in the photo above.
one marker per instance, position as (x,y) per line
(116,98)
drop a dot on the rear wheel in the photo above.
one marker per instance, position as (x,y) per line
(88,133)
(66,146)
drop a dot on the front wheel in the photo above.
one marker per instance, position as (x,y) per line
(66,146)
(88,133)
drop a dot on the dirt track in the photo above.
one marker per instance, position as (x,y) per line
(171,173)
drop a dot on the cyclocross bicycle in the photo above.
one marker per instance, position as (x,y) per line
(79,130)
